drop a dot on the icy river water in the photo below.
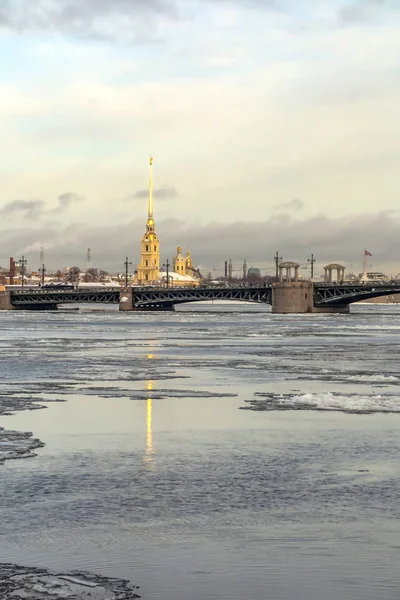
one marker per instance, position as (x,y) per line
(212,454)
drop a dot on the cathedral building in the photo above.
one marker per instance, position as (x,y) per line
(183,274)
(148,271)
(182,264)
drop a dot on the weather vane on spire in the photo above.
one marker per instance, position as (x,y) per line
(151,160)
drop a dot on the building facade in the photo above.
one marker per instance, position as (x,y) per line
(182,264)
(148,271)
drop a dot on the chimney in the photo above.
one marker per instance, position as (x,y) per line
(12,271)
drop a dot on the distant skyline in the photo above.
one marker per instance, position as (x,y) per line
(273,125)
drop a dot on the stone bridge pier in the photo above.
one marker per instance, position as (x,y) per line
(297,297)
(5,300)
(126,300)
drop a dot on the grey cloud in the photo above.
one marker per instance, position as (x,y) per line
(340,239)
(160,193)
(360,11)
(65,200)
(93,18)
(295,204)
(25,209)
(103,19)
(35,209)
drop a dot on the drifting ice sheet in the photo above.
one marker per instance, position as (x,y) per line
(39,584)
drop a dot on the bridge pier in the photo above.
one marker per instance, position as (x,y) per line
(298,298)
(126,300)
(292,297)
(5,300)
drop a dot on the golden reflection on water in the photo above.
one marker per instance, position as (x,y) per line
(149,454)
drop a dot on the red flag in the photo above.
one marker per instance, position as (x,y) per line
(366,253)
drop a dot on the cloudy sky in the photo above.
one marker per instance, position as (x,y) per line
(274,125)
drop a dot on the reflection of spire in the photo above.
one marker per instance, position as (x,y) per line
(149,433)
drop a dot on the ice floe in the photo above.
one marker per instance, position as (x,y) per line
(29,583)
(327,401)
(16,444)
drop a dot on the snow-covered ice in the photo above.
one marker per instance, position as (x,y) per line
(17,444)
(17,582)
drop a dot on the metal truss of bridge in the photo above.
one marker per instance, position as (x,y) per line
(156,299)
(336,295)
(39,298)
(291,297)
(139,298)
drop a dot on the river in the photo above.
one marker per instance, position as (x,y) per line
(219,452)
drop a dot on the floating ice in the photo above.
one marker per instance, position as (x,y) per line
(348,403)
(40,584)
(16,444)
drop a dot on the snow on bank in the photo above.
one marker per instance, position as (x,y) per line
(41,584)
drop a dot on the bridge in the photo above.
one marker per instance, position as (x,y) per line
(285,297)
(348,293)
(146,298)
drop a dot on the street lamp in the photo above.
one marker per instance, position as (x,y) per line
(127,265)
(42,272)
(311,261)
(167,266)
(22,263)
(277,260)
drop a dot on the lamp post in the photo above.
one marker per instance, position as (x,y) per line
(311,261)
(277,260)
(23,262)
(42,272)
(127,264)
(167,266)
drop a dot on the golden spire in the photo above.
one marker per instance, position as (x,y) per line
(150,206)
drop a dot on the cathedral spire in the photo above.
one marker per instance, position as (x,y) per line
(149,267)
(150,204)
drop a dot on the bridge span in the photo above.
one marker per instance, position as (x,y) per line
(287,297)
(146,298)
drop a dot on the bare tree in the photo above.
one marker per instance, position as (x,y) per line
(72,275)
(95,275)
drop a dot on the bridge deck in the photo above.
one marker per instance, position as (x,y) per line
(348,293)
(148,298)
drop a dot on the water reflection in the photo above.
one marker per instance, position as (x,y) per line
(149,453)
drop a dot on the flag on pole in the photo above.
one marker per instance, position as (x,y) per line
(366,253)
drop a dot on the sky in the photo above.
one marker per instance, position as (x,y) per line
(274,125)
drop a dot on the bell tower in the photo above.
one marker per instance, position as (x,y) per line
(149,267)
